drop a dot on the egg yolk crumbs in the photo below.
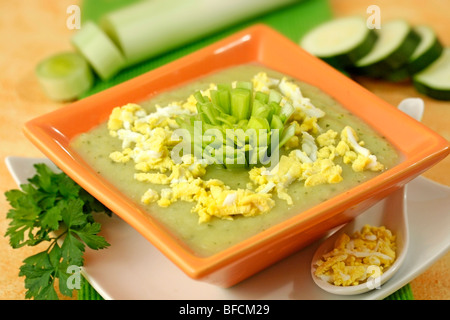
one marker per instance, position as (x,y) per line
(148,138)
(348,264)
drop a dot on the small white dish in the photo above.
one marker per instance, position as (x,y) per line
(414,107)
(133,269)
(393,216)
(391,213)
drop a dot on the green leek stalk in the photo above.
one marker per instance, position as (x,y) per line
(101,53)
(149,28)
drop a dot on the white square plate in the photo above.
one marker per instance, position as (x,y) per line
(133,269)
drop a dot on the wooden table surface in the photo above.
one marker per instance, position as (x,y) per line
(33,29)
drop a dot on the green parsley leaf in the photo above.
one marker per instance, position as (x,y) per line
(38,271)
(43,178)
(72,213)
(88,234)
(72,250)
(52,217)
(52,208)
(68,188)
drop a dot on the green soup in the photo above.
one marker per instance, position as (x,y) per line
(208,238)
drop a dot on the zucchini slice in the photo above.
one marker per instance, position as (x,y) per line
(396,42)
(428,50)
(434,81)
(340,42)
(398,75)
(64,76)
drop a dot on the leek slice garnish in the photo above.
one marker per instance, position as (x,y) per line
(239,108)
(64,76)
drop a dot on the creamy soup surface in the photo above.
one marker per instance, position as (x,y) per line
(205,239)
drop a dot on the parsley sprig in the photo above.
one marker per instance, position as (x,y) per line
(55,209)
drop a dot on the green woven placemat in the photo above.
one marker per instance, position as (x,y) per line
(87,292)
(292,21)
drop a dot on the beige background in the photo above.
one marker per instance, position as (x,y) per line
(33,29)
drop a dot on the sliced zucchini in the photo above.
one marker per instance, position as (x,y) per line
(340,42)
(396,42)
(398,75)
(434,81)
(428,50)
(99,50)
(64,76)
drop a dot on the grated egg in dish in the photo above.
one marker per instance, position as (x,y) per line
(358,257)
(308,157)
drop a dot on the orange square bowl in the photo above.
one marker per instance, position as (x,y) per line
(420,148)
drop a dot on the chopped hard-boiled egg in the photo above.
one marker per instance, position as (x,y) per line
(364,159)
(295,167)
(148,138)
(354,258)
(302,104)
(262,82)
